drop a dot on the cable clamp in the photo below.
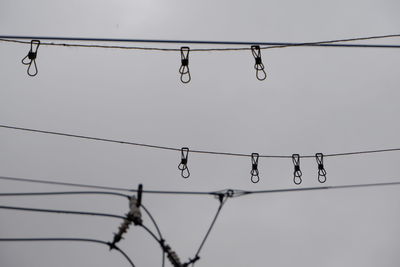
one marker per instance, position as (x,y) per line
(321,170)
(229,193)
(255,178)
(112,245)
(191,261)
(31,58)
(184,69)
(184,160)
(297,172)
(258,66)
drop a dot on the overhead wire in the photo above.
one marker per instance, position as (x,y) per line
(266,45)
(15,179)
(191,151)
(153,221)
(223,199)
(64,193)
(223,196)
(63,211)
(19,194)
(158,231)
(62,239)
(81,212)
(235,192)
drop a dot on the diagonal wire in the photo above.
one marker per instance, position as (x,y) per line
(267,45)
(153,221)
(352,186)
(211,227)
(21,194)
(192,151)
(105,187)
(62,239)
(63,211)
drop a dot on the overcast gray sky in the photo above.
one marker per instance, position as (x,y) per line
(314,100)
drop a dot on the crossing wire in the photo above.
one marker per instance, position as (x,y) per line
(63,239)
(265,45)
(235,192)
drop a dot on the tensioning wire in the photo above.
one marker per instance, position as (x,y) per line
(234,192)
(191,151)
(20,194)
(84,213)
(68,239)
(266,45)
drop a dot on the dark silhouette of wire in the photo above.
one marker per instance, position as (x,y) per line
(153,220)
(211,226)
(63,211)
(192,151)
(318,188)
(151,233)
(64,184)
(268,45)
(21,194)
(235,192)
(70,239)
(105,187)
(158,231)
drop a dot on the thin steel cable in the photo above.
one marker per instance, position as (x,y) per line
(268,45)
(151,233)
(153,220)
(105,187)
(22,194)
(236,192)
(63,184)
(352,186)
(192,151)
(63,211)
(211,226)
(61,239)
(158,231)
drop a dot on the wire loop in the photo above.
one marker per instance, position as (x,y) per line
(297,172)
(31,58)
(258,66)
(321,170)
(184,69)
(255,178)
(183,165)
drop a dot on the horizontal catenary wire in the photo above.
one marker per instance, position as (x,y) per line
(85,213)
(191,151)
(63,193)
(234,192)
(266,45)
(68,239)
(75,193)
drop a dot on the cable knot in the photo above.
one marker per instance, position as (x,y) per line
(183,164)
(297,172)
(258,66)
